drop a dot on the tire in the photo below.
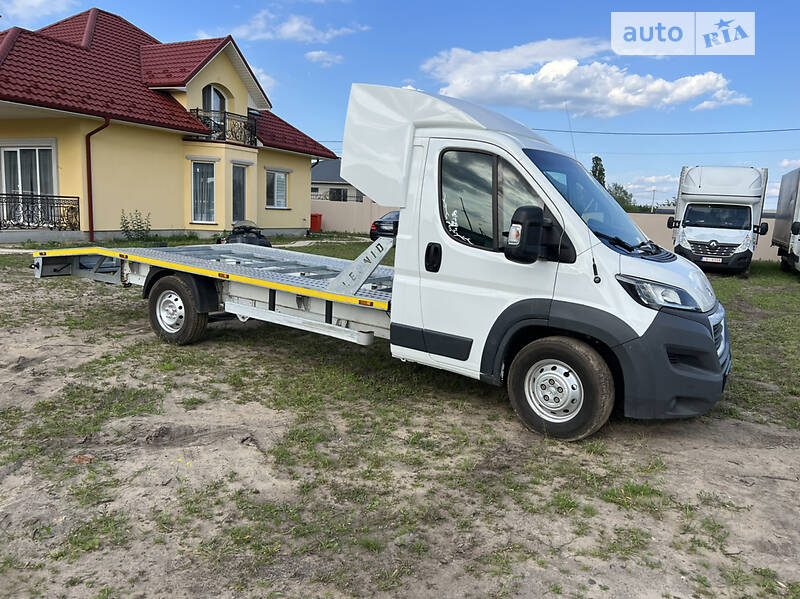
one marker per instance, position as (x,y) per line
(173,312)
(786,266)
(577,399)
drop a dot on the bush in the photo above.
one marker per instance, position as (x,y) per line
(134,226)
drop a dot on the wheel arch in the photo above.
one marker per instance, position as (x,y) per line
(529,320)
(203,289)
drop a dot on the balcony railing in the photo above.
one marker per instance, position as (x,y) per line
(30,211)
(227,126)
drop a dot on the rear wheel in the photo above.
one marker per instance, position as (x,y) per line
(173,312)
(561,387)
(786,266)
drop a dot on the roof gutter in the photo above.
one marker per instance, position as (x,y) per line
(89,195)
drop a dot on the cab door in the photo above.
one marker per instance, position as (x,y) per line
(470,193)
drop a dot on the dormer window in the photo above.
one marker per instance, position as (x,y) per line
(213,98)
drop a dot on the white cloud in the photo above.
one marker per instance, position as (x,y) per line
(658,179)
(202,34)
(324,58)
(790,163)
(723,97)
(267,26)
(267,82)
(27,11)
(543,75)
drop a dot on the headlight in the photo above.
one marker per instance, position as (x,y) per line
(745,245)
(682,240)
(657,295)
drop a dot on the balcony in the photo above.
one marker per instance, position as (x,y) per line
(31,211)
(227,126)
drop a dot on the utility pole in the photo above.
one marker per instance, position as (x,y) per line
(653,205)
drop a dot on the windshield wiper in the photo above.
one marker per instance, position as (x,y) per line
(619,242)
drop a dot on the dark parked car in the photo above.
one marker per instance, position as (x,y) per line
(245,231)
(385,226)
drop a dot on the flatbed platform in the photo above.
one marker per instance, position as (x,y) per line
(284,270)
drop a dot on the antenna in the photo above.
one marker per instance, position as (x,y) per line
(571,136)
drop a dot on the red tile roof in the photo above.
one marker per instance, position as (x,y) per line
(173,65)
(97,63)
(274,132)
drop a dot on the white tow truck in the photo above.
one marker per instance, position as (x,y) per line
(786,233)
(513,266)
(717,219)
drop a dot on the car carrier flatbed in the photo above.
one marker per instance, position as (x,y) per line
(345,299)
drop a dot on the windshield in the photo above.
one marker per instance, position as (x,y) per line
(601,212)
(717,216)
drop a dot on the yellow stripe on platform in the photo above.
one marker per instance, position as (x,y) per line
(348,299)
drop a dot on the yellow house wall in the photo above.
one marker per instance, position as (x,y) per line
(297,215)
(69,151)
(138,168)
(219,71)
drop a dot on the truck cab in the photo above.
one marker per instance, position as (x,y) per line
(513,265)
(717,218)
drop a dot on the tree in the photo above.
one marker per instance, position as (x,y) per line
(622,195)
(598,170)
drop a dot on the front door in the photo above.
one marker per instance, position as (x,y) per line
(239,186)
(471,190)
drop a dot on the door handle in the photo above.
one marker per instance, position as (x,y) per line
(433,257)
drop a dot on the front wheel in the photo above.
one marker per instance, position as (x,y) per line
(561,387)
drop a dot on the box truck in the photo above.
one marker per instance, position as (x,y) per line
(786,234)
(717,218)
(513,266)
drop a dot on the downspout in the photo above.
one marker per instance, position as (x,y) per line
(89,197)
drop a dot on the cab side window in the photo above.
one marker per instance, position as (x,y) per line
(512,192)
(467,198)
(479,194)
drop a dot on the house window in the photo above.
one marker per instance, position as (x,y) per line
(27,170)
(239,191)
(337,194)
(315,190)
(276,189)
(213,98)
(203,192)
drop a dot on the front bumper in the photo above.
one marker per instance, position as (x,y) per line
(679,367)
(735,262)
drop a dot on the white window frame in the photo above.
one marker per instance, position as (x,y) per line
(45,143)
(214,202)
(275,206)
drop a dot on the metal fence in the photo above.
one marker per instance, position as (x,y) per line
(228,126)
(29,211)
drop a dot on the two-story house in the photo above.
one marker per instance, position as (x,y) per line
(97,116)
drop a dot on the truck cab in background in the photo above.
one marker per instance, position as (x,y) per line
(717,218)
(786,235)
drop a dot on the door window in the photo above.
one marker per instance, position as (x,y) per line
(28,170)
(479,194)
(239,180)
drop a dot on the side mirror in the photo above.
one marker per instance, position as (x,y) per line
(796,228)
(671,222)
(525,235)
(761,229)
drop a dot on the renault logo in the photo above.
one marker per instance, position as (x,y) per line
(712,244)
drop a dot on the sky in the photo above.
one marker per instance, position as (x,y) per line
(546,64)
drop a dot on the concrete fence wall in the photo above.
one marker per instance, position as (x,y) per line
(655,227)
(356,217)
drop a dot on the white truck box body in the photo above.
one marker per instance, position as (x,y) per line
(786,214)
(723,186)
